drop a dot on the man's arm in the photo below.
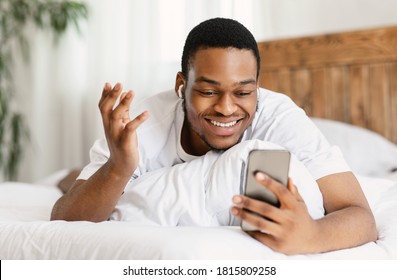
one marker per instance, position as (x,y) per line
(290,229)
(348,215)
(67,182)
(95,198)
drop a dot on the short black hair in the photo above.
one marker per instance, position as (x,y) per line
(218,33)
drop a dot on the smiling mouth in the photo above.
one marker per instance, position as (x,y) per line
(223,125)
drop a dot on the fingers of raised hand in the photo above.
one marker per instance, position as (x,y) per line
(131,126)
(120,114)
(109,96)
(107,101)
(115,118)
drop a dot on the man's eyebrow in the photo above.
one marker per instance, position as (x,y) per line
(245,82)
(213,82)
(207,80)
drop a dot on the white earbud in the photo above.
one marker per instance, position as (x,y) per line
(180,91)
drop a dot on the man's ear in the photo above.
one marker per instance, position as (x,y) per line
(180,85)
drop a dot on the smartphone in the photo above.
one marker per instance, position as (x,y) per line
(274,163)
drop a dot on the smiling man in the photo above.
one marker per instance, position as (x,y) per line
(222,98)
(215,105)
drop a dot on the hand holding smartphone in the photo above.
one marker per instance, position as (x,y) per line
(274,163)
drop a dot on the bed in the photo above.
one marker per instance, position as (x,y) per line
(344,82)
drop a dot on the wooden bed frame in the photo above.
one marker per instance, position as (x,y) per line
(349,77)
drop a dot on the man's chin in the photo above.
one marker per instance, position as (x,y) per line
(222,146)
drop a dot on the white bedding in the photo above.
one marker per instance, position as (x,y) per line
(27,233)
(200,192)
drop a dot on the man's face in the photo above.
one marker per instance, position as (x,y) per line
(220,99)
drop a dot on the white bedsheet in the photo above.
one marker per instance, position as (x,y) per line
(41,239)
(26,233)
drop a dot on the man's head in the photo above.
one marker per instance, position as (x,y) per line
(218,82)
(218,33)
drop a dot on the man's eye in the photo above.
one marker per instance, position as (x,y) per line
(207,93)
(244,93)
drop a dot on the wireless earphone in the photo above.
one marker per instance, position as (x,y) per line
(180,91)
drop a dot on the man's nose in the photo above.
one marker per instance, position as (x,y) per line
(225,105)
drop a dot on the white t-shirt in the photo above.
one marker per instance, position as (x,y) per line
(278,120)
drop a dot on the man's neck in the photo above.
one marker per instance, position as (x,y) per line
(191,142)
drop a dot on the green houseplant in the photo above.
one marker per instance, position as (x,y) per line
(15,15)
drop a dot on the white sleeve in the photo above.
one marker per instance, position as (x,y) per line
(99,155)
(306,141)
(290,127)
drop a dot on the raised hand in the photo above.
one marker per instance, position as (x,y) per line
(94,199)
(120,130)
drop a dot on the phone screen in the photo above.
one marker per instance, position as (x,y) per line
(274,163)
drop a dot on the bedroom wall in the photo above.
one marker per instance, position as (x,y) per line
(59,90)
(293,18)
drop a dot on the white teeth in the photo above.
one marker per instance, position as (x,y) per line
(229,124)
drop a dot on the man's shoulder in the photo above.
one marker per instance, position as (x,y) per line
(163,98)
(158,105)
(271,104)
(273,97)
(163,110)
(276,112)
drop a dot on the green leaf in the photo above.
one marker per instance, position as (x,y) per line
(53,15)
(20,10)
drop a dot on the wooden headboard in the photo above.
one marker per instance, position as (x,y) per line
(349,77)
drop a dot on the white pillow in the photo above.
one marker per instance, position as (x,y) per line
(367,152)
(54,178)
(199,192)
(27,202)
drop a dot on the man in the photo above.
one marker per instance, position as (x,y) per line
(218,105)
